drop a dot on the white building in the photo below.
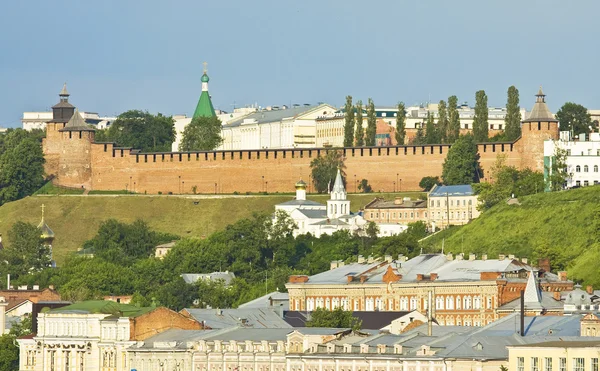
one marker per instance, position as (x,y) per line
(583,158)
(318,219)
(451,205)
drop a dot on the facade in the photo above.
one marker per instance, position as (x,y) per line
(573,355)
(400,210)
(582,158)
(162,250)
(451,205)
(465,292)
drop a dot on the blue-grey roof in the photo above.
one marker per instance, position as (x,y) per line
(273,299)
(314,214)
(301,203)
(278,115)
(451,191)
(246,317)
(330,222)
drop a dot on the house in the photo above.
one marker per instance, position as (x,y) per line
(243,317)
(273,299)
(451,205)
(225,277)
(161,250)
(401,210)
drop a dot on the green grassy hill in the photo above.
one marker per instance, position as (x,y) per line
(75,219)
(562,226)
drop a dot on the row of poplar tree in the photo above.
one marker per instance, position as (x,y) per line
(446,129)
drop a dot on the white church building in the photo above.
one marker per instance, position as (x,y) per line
(318,219)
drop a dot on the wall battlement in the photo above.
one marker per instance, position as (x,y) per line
(77,161)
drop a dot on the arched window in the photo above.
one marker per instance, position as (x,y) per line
(578,169)
(449,302)
(403,303)
(413,303)
(458,302)
(585,168)
(595,168)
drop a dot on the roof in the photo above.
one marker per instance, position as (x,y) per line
(261,117)
(272,299)
(300,203)
(532,292)
(540,111)
(547,302)
(451,191)
(103,307)
(370,320)
(380,203)
(338,185)
(246,317)
(77,123)
(313,214)
(204,108)
(167,245)
(64,91)
(456,270)
(227,277)
(330,222)
(563,344)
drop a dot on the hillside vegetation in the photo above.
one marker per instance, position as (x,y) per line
(75,219)
(562,226)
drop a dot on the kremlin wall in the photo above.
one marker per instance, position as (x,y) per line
(76,160)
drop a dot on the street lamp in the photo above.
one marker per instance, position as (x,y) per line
(263,183)
(397,175)
(134,187)
(266,187)
(309,182)
(394,186)
(215,188)
(354,183)
(400,185)
(179,184)
(183,186)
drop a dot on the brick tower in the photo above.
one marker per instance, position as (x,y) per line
(538,127)
(75,160)
(61,114)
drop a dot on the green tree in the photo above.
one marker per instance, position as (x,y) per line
(26,252)
(349,123)
(462,162)
(512,120)
(443,123)
(371,132)
(21,165)
(431,130)
(337,318)
(324,169)
(143,130)
(401,124)
(372,230)
(557,171)
(453,119)
(364,186)
(480,121)
(359,132)
(575,118)
(202,134)
(420,135)
(428,182)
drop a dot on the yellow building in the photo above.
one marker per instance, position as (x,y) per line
(578,355)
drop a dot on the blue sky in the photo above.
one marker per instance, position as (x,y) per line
(117,55)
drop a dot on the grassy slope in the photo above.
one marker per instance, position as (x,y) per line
(75,219)
(559,225)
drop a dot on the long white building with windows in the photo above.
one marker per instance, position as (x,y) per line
(582,158)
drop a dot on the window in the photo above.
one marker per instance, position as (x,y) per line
(489,302)
(578,183)
(470,202)
(585,168)
(439,302)
(578,169)
(594,364)
(467,302)
(548,364)
(413,303)
(356,304)
(535,365)
(586,183)
(449,302)
(403,304)
(370,304)
(477,302)
(520,364)
(432,202)
(578,364)
(438,203)
(568,152)
(595,168)
(562,364)
(458,302)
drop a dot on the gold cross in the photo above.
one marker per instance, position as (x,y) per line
(205,69)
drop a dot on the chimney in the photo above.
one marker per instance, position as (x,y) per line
(219,312)
(562,276)
(511,256)
(524,260)
(449,256)
(388,258)
(419,277)
(589,289)
(361,259)
(433,276)
(370,259)
(333,265)
(484,257)
(556,295)
(459,256)
(544,264)
(51,287)
(501,257)
(398,201)
(471,257)
(3,305)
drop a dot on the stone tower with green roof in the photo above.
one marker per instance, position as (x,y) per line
(205,107)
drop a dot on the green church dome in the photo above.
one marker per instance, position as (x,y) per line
(205,78)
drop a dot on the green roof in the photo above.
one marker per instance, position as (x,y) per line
(204,107)
(105,307)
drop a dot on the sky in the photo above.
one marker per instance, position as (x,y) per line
(117,55)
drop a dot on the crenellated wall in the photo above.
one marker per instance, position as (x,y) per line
(101,166)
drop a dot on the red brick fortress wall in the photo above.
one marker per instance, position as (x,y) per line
(113,168)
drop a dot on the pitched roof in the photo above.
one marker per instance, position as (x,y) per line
(273,116)
(272,299)
(104,307)
(370,320)
(246,317)
(77,123)
(532,292)
(540,111)
(301,203)
(338,185)
(204,108)
(380,203)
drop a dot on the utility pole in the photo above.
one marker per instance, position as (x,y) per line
(447,211)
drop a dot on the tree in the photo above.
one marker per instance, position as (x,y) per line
(324,169)
(21,165)
(337,318)
(575,118)
(143,130)
(453,119)
(512,120)
(401,124)
(26,253)
(462,162)
(349,123)
(364,186)
(431,131)
(420,136)
(443,123)
(428,182)
(557,171)
(202,134)
(359,133)
(372,230)
(371,132)
(480,121)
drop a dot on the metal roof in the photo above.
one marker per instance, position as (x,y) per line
(246,317)
(278,115)
(451,191)
(270,300)
(301,203)
(540,111)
